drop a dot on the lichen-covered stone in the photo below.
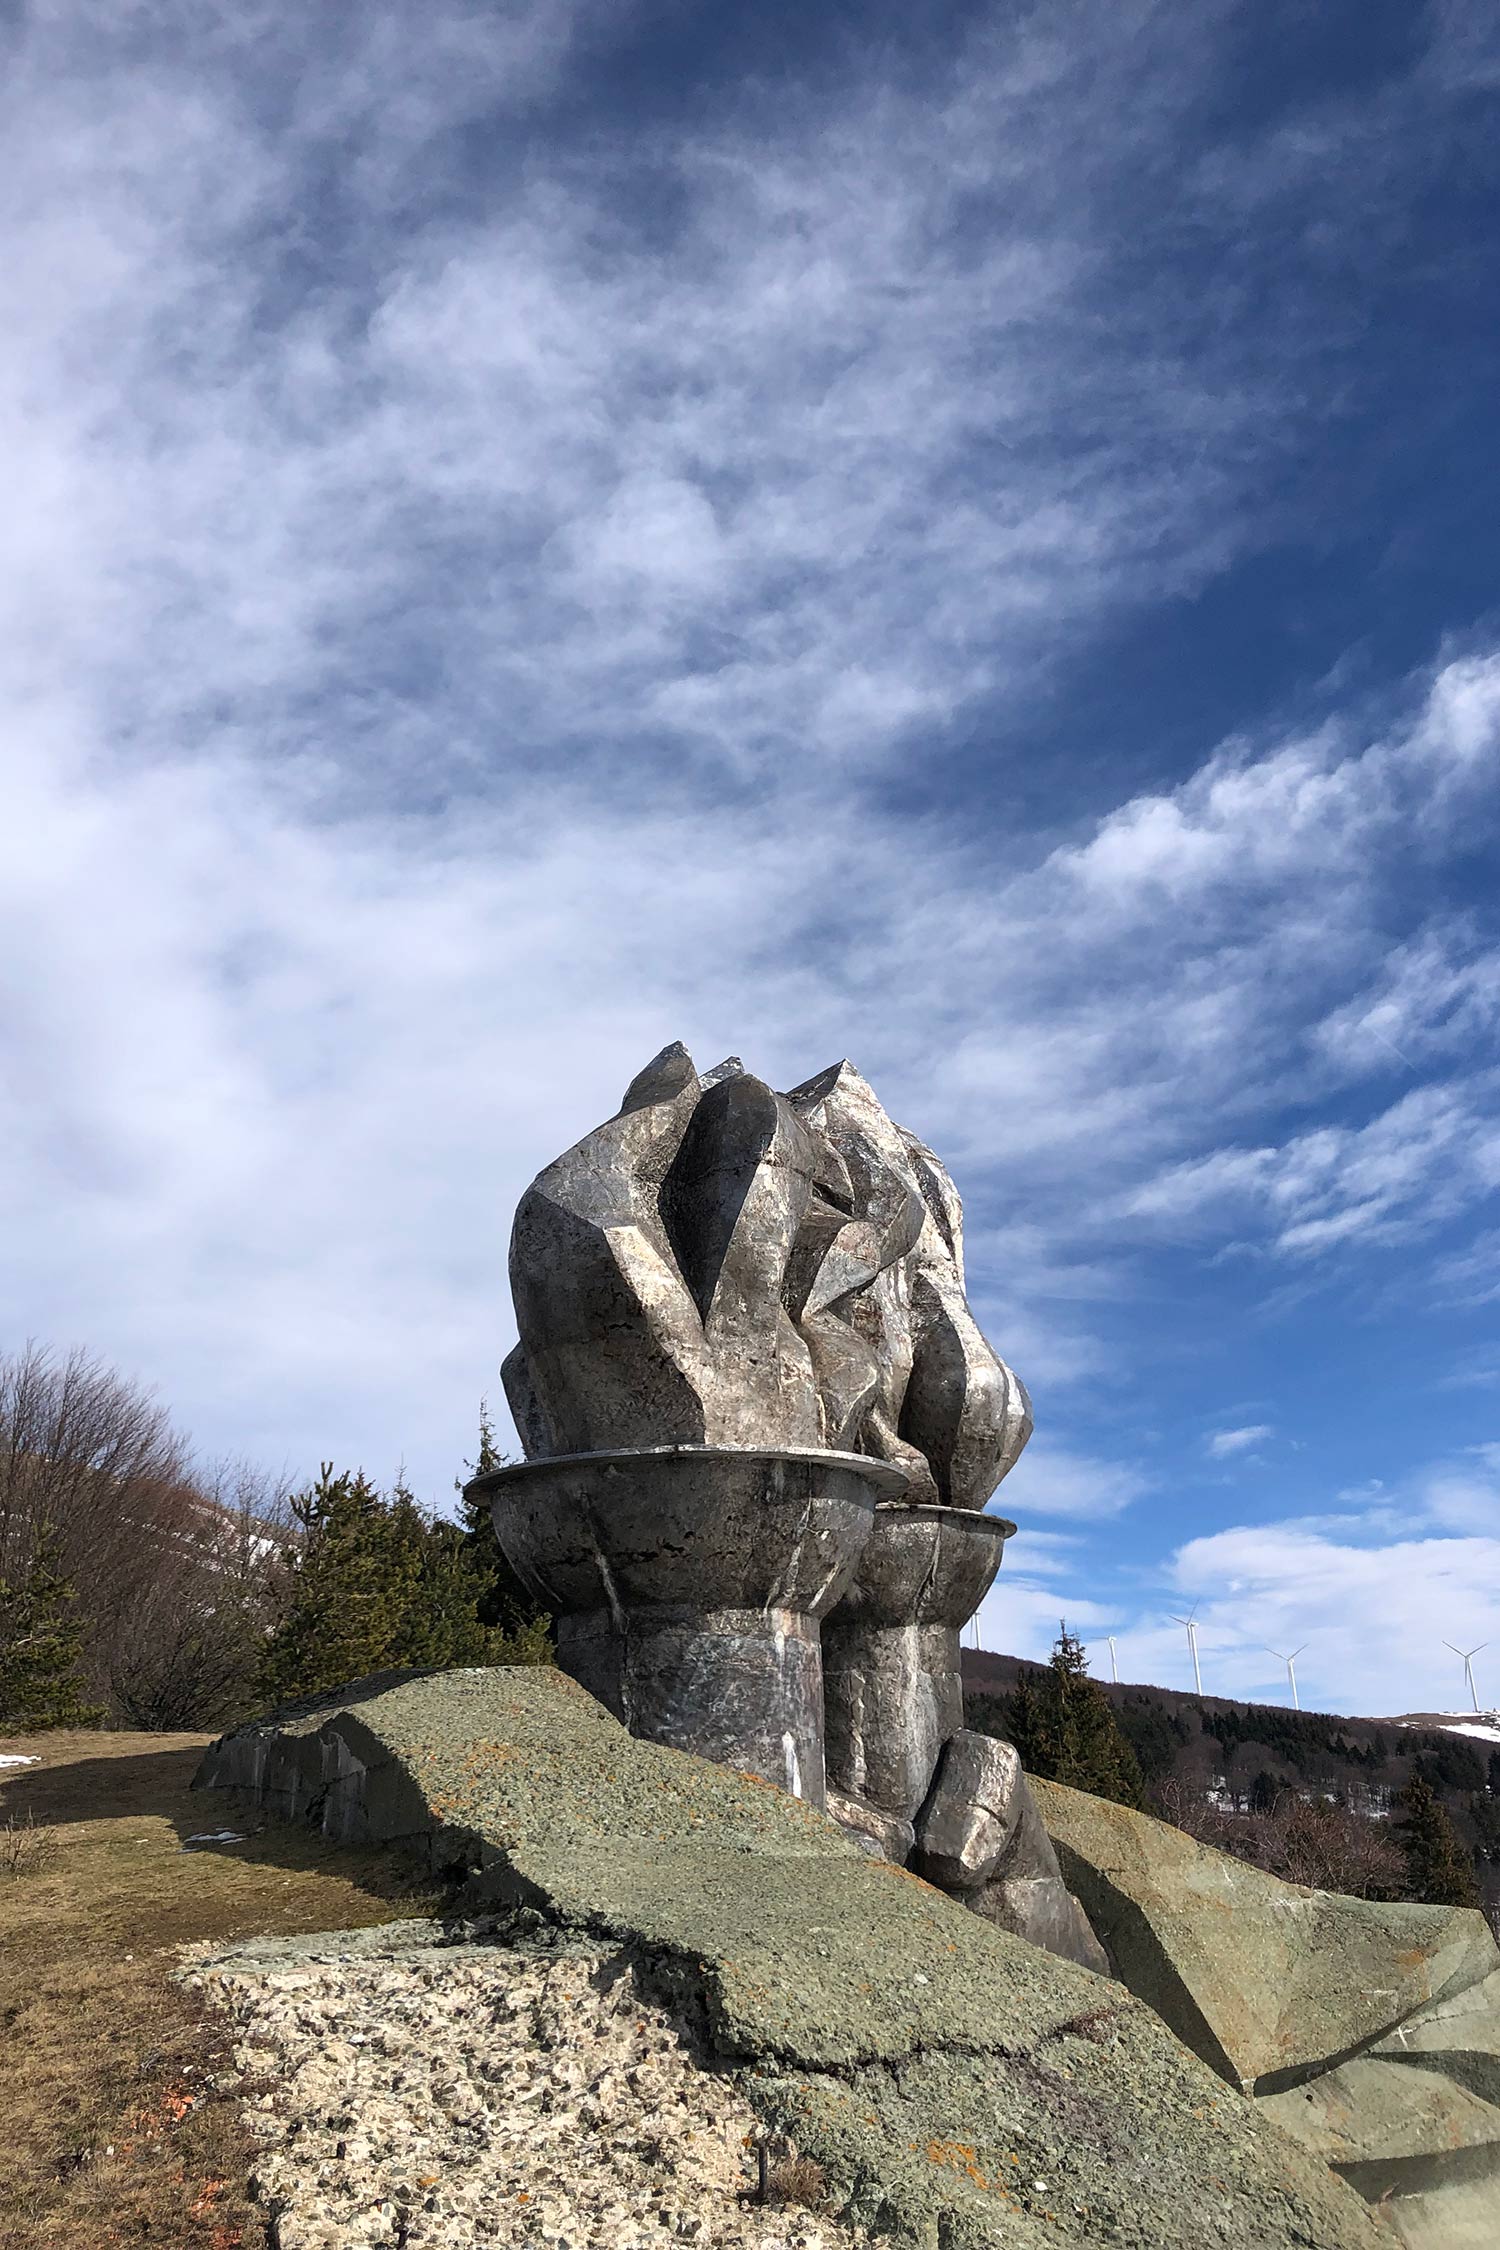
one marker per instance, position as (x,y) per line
(957,2085)
(1268,1982)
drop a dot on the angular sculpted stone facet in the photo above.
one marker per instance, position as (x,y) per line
(972,1812)
(720,1264)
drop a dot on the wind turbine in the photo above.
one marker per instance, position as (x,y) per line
(1291,1667)
(1192,1634)
(1114,1662)
(1468,1655)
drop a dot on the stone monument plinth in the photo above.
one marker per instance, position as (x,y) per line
(893,1688)
(761,1428)
(687,1585)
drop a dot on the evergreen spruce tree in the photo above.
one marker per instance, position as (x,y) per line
(1439,1870)
(504,1601)
(41,1652)
(1264,1791)
(377,1586)
(1019,1721)
(350,1588)
(1065,1729)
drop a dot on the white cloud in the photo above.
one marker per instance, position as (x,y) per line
(1374,1616)
(1464,1495)
(1437,995)
(1471,1276)
(1050,1479)
(1225,1443)
(451,651)
(1429,1155)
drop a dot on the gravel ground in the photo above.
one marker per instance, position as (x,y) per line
(481,2093)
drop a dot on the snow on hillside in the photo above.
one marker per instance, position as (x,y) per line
(1482,1726)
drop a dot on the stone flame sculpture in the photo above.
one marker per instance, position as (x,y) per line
(721,1265)
(761,1426)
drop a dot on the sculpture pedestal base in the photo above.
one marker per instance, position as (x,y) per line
(892,1685)
(741,1686)
(687,1585)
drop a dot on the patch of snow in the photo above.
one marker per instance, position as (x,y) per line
(215,1836)
(1479,1732)
(10,1760)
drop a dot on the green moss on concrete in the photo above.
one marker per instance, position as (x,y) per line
(959,2086)
(1268,1982)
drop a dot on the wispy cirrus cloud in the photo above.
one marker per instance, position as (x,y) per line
(1223,1445)
(480,591)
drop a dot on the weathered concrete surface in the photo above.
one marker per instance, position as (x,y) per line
(944,1404)
(960,2088)
(879,1833)
(722,1265)
(1269,1983)
(972,1811)
(1027,1894)
(687,1584)
(893,1688)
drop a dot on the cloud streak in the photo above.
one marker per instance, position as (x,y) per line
(495,587)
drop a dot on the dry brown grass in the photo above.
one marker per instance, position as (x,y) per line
(27,1846)
(798,2180)
(112,2131)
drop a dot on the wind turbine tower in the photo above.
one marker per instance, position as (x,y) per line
(1291,1669)
(1468,1655)
(1192,1634)
(1114,1662)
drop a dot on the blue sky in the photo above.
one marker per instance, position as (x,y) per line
(962,538)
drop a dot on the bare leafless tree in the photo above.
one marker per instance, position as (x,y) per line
(86,1457)
(1302,1839)
(173,1562)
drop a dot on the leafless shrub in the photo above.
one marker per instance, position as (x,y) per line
(800,2180)
(25,1848)
(1322,1846)
(173,1563)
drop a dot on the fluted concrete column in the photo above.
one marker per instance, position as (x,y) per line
(893,1694)
(687,1586)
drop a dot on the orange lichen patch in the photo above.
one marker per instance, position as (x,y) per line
(958,2156)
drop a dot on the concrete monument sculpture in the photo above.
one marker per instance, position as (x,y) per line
(761,1428)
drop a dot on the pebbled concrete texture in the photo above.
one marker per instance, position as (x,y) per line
(960,2087)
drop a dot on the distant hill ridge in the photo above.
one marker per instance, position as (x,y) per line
(1203,1742)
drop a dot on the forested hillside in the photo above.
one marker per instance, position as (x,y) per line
(1241,1759)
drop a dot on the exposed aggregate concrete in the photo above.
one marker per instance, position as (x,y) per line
(961,2089)
(408,2092)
